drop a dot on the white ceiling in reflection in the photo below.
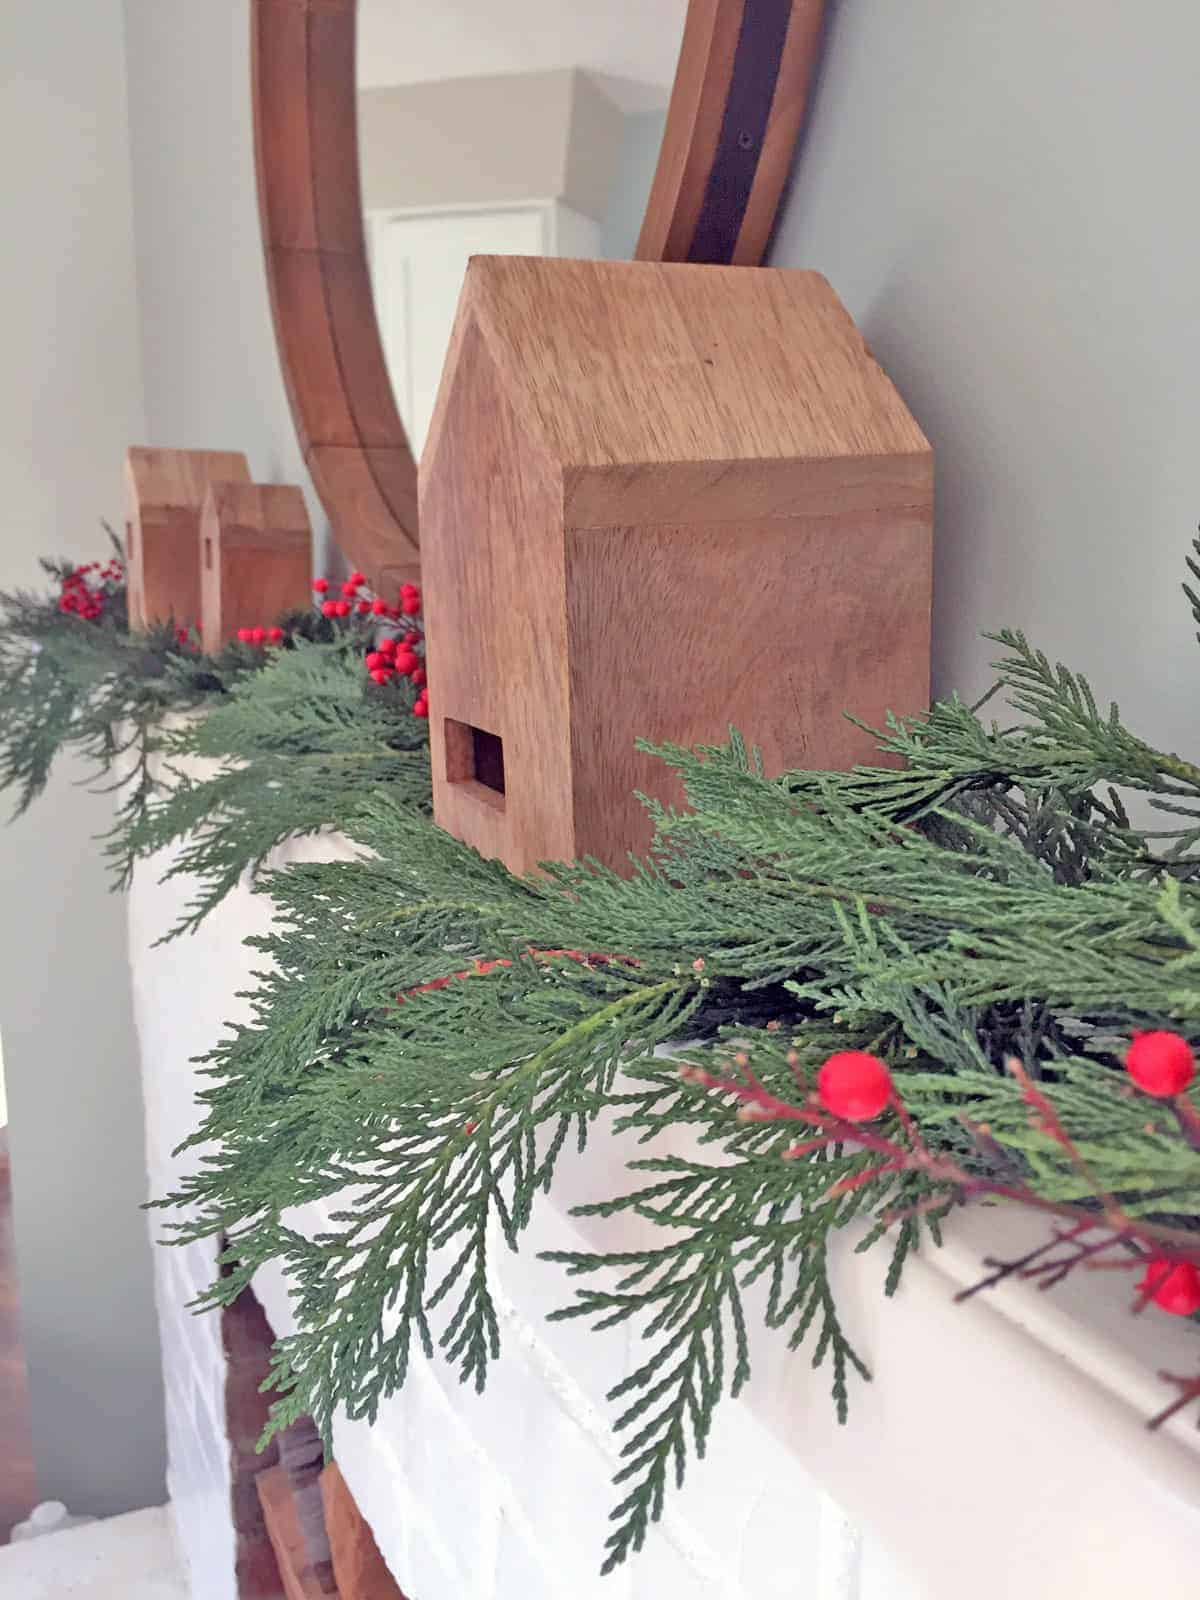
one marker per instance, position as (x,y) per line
(632,45)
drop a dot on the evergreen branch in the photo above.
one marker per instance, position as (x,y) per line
(430,1032)
(794,905)
(92,684)
(298,747)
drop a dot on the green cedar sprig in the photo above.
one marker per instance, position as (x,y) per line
(433,1032)
(97,688)
(292,749)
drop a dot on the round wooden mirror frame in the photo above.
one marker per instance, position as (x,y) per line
(736,108)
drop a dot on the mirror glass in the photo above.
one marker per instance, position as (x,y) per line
(529,128)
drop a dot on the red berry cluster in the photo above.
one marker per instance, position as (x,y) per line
(398,658)
(261,636)
(393,656)
(1163,1065)
(87,590)
(357,599)
(856,1086)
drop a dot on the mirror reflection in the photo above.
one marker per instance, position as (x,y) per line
(528,129)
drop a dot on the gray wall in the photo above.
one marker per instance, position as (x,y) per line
(212,377)
(466,140)
(70,402)
(636,161)
(1005,196)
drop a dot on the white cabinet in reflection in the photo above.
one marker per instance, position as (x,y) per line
(418,259)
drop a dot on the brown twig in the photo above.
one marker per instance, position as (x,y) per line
(1188,1118)
(759,1104)
(1125,1244)
(1189,1390)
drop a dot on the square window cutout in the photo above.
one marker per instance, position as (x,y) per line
(475,759)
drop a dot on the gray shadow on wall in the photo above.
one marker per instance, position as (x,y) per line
(902,328)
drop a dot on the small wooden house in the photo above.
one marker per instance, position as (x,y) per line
(255,557)
(166,490)
(657,501)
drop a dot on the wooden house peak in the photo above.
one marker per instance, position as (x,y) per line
(649,364)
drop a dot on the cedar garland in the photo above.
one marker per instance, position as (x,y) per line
(985,923)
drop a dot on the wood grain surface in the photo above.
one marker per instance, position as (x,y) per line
(662,499)
(741,90)
(737,106)
(255,558)
(310,206)
(360,1570)
(166,490)
(299,1578)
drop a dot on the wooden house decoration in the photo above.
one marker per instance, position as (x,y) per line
(657,501)
(166,490)
(255,557)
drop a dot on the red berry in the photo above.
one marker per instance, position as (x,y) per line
(349,587)
(245,635)
(329,608)
(420,709)
(363,608)
(407,589)
(387,647)
(276,635)
(419,678)
(342,608)
(855,1085)
(1161,1063)
(375,659)
(357,579)
(405,661)
(321,585)
(379,607)
(1175,1287)
(260,636)
(380,674)
(411,638)
(411,605)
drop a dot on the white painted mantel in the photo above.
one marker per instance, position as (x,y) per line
(1001,1451)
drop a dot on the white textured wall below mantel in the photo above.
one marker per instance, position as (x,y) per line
(1003,194)
(494,1497)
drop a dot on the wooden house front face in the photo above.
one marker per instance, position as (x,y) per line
(255,557)
(658,501)
(166,490)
